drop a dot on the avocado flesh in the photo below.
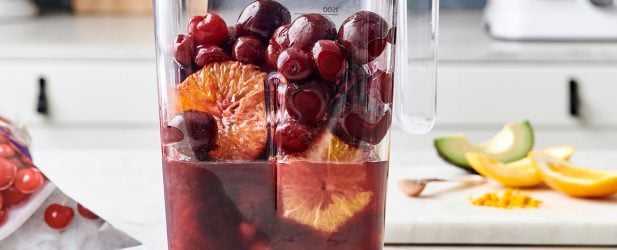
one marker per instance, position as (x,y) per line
(511,144)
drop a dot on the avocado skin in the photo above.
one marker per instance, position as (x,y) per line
(444,157)
(466,166)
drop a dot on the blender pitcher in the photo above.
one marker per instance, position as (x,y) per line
(276,117)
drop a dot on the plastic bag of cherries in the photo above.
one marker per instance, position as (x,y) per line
(34,214)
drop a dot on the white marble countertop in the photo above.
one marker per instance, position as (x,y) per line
(117,173)
(131,38)
(57,37)
(125,187)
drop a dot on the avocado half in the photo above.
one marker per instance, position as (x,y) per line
(511,144)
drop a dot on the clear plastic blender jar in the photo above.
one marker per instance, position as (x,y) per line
(276,117)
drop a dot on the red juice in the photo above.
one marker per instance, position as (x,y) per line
(261,205)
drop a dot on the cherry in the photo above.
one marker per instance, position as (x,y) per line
(8,171)
(6,151)
(248,50)
(58,216)
(261,18)
(202,131)
(307,29)
(380,86)
(86,213)
(272,57)
(210,29)
(4,216)
(26,160)
(210,54)
(355,86)
(183,71)
(295,64)
(352,127)
(228,44)
(14,197)
(293,137)
(184,49)
(278,42)
(308,102)
(392,35)
(1,200)
(329,60)
(280,38)
(170,135)
(365,35)
(29,180)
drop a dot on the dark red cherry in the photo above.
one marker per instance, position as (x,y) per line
(228,44)
(353,128)
(329,60)
(380,86)
(171,135)
(210,54)
(261,18)
(210,29)
(202,131)
(280,38)
(184,71)
(355,85)
(308,102)
(248,50)
(392,35)
(272,57)
(293,137)
(278,42)
(295,64)
(184,49)
(307,29)
(365,35)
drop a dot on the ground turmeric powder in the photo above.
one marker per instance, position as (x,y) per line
(511,198)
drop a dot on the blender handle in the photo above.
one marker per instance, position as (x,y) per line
(415,68)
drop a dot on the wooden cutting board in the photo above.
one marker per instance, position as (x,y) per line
(112,6)
(445,216)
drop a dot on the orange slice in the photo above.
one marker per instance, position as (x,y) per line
(234,94)
(330,148)
(518,174)
(323,196)
(575,181)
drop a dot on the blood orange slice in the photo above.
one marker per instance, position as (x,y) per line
(234,94)
(330,148)
(323,196)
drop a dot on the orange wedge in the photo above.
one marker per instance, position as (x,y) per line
(573,180)
(323,196)
(234,94)
(518,174)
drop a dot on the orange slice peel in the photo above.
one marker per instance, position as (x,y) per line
(234,94)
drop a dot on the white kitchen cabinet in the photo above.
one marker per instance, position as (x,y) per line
(485,94)
(101,71)
(108,92)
